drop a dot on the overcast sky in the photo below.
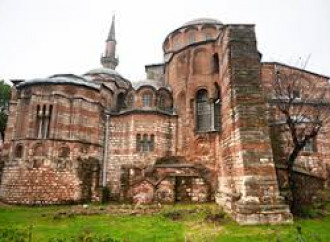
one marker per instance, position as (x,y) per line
(39,38)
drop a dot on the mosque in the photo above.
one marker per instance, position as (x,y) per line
(197,129)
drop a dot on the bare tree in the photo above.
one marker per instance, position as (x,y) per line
(303,106)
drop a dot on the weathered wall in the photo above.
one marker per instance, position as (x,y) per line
(247,182)
(312,161)
(48,185)
(122,143)
(308,185)
(189,70)
(52,168)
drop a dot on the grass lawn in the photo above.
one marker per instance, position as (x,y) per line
(172,223)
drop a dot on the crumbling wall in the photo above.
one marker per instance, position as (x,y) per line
(51,185)
(308,185)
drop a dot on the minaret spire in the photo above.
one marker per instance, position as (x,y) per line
(112,32)
(109,59)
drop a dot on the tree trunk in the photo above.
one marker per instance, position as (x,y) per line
(295,204)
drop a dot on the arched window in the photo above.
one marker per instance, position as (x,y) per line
(138,143)
(145,143)
(130,101)
(146,100)
(38,150)
(217,108)
(203,112)
(192,38)
(161,101)
(121,101)
(208,36)
(215,63)
(44,117)
(152,143)
(19,151)
(64,152)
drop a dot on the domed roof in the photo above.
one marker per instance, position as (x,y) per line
(151,83)
(58,79)
(103,70)
(202,21)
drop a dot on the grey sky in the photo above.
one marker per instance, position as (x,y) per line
(40,38)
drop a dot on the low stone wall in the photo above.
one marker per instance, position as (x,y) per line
(308,185)
(46,185)
(39,186)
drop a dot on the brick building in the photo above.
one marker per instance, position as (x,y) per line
(197,129)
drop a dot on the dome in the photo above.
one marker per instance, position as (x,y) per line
(202,21)
(151,83)
(58,79)
(102,70)
(108,75)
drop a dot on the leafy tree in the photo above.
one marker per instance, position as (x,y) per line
(303,106)
(4,104)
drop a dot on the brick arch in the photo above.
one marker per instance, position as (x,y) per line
(164,99)
(130,100)
(64,151)
(202,110)
(121,101)
(190,28)
(182,66)
(147,91)
(198,88)
(38,150)
(181,102)
(202,62)
(177,40)
(19,151)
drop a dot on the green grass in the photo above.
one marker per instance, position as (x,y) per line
(190,225)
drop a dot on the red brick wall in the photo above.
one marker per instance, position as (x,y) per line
(122,143)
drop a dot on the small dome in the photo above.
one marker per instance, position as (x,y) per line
(202,21)
(102,70)
(151,83)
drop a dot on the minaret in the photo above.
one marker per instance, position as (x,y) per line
(109,59)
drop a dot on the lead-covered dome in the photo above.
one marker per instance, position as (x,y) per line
(202,21)
(60,79)
(200,30)
(106,75)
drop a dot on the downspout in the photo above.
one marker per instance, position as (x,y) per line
(105,154)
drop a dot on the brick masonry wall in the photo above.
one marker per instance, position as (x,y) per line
(188,71)
(39,186)
(64,167)
(247,181)
(313,162)
(122,143)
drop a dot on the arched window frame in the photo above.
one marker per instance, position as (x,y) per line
(191,38)
(217,108)
(152,142)
(147,98)
(215,63)
(203,111)
(130,100)
(43,121)
(64,152)
(138,143)
(121,101)
(19,151)
(145,143)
